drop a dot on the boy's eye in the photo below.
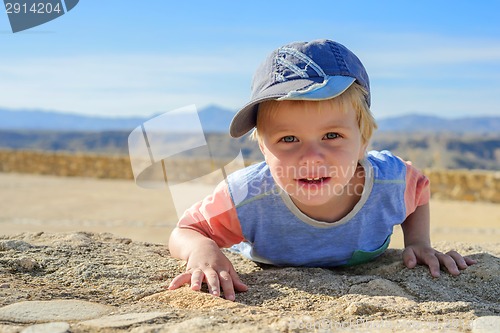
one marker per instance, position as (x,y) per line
(331,135)
(288,138)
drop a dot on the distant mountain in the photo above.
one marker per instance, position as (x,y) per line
(44,120)
(212,118)
(422,123)
(217,119)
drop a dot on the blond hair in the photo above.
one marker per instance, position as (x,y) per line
(355,95)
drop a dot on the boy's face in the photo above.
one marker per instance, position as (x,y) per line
(312,149)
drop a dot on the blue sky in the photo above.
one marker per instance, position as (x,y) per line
(128,58)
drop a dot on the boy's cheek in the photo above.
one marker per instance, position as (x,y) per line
(262,148)
(362,151)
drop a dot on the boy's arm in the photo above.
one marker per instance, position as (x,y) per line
(203,229)
(205,262)
(418,249)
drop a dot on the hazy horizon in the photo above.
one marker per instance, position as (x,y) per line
(121,116)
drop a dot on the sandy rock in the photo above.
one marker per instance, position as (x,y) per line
(185,298)
(46,311)
(77,239)
(487,324)
(27,264)
(198,324)
(54,327)
(123,320)
(402,325)
(10,328)
(208,325)
(14,244)
(379,287)
(380,304)
(438,308)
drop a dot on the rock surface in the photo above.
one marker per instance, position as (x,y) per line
(46,311)
(102,283)
(487,324)
(54,327)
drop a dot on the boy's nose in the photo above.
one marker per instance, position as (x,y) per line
(312,154)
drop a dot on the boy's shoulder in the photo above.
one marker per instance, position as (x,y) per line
(257,170)
(383,156)
(248,181)
(386,165)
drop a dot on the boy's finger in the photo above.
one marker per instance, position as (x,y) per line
(459,260)
(433,263)
(179,280)
(449,262)
(238,284)
(212,280)
(409,258)
(470,261)
(196,279)
(227,285)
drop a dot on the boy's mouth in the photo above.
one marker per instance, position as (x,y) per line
(316,180)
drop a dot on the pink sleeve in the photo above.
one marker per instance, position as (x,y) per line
(417,192)
(215,217)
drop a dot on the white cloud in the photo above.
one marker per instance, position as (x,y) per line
(122,84)
(431,74)
(398,55)
(441,102)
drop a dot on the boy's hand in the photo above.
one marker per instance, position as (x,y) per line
(210,265)
(426,255)
(418,249)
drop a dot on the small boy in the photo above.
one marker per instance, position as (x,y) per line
(319,199)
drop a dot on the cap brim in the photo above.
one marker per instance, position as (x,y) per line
(299,89)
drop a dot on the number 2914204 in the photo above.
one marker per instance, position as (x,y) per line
(32,8)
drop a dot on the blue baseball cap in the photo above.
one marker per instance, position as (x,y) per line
(316,70)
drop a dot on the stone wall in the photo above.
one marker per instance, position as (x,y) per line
(65,164)
(468,185)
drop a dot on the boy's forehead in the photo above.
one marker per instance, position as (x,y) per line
(273,108)
(285,113)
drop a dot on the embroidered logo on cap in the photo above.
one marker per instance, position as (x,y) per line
(302,72)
